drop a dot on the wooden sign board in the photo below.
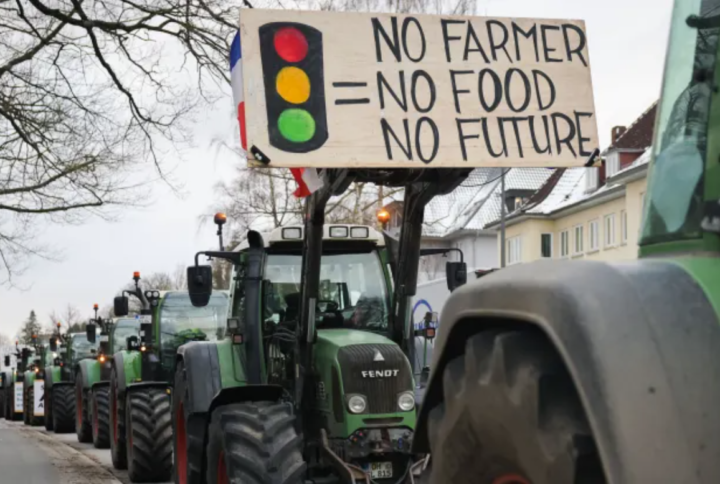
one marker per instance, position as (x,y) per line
(336,89)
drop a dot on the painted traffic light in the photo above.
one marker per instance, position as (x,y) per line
(292,60)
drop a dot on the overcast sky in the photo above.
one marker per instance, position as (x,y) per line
(627,41)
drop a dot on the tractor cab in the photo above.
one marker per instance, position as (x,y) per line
(179,322)
(80,347)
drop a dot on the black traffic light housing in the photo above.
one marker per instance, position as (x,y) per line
(292,60)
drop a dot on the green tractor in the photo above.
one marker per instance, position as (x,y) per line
(67,410)
(34,385)
(313,379)
(579,371)
(59,397)
(142,375)
(95,371)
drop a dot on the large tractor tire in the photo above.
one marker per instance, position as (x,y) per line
(101,417)
(63,412)
(117,424)
(254,443)
(149,435)
(48,408)
(189,445)
(32,419)
(83,427)
(511,415)
(27,411)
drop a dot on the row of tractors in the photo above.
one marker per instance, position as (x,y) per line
(200,386)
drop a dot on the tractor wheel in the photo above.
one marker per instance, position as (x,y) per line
(48,409)
(32,419)
(149,435)
(188,445)
(117,424)
(254,443)
(511,415)
(83,429)
(101,417)
(63,412)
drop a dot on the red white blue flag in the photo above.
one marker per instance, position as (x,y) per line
(307,179)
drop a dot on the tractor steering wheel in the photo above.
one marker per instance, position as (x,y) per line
(330,306)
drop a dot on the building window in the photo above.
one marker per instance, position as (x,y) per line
(610,230)
(546,245)
(612,164)
(579,236)
(592,179)
(514,250)
(623,226)
(564,243)
(594,227)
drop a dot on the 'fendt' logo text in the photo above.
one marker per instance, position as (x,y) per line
(379,373)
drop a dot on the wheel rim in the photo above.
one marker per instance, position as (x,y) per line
(222,477)
(181,444)
(510,479)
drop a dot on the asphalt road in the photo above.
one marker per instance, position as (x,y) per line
(31,455)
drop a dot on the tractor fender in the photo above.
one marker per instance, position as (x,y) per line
(202,370)
(118,362)
(640,340)
(83,368)
(49,378)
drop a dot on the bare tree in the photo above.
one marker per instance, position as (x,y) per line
(70,319)
(90,92)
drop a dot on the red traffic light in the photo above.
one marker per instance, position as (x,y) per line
(290,44)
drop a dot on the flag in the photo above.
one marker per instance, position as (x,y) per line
(307,179)
(236,82)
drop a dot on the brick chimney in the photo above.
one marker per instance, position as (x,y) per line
(615,133)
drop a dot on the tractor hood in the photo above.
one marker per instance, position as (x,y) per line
(339,338)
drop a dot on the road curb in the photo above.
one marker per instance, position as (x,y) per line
(73,465)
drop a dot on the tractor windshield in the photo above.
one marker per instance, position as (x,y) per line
(181,322)
(352,291)
(123,328)
(81,347)
(674,205)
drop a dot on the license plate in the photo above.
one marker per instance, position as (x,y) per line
(381,470)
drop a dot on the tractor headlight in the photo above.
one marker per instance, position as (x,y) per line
(406,401)
(357,404)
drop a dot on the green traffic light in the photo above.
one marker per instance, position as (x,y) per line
(296,125)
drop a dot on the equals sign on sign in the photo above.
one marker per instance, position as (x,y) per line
(362,100)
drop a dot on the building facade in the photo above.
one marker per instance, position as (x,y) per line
(586,213)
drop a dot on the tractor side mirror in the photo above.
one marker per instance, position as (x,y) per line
(7,360)
(133,343)
(90,332)
(121,306)
(199,281)
(456,273)
(53,344)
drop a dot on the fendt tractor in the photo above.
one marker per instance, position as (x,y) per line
(142,376)
(311,380)
(591,372)
(33,384)
(59,395)
(95,372)
(68,412)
